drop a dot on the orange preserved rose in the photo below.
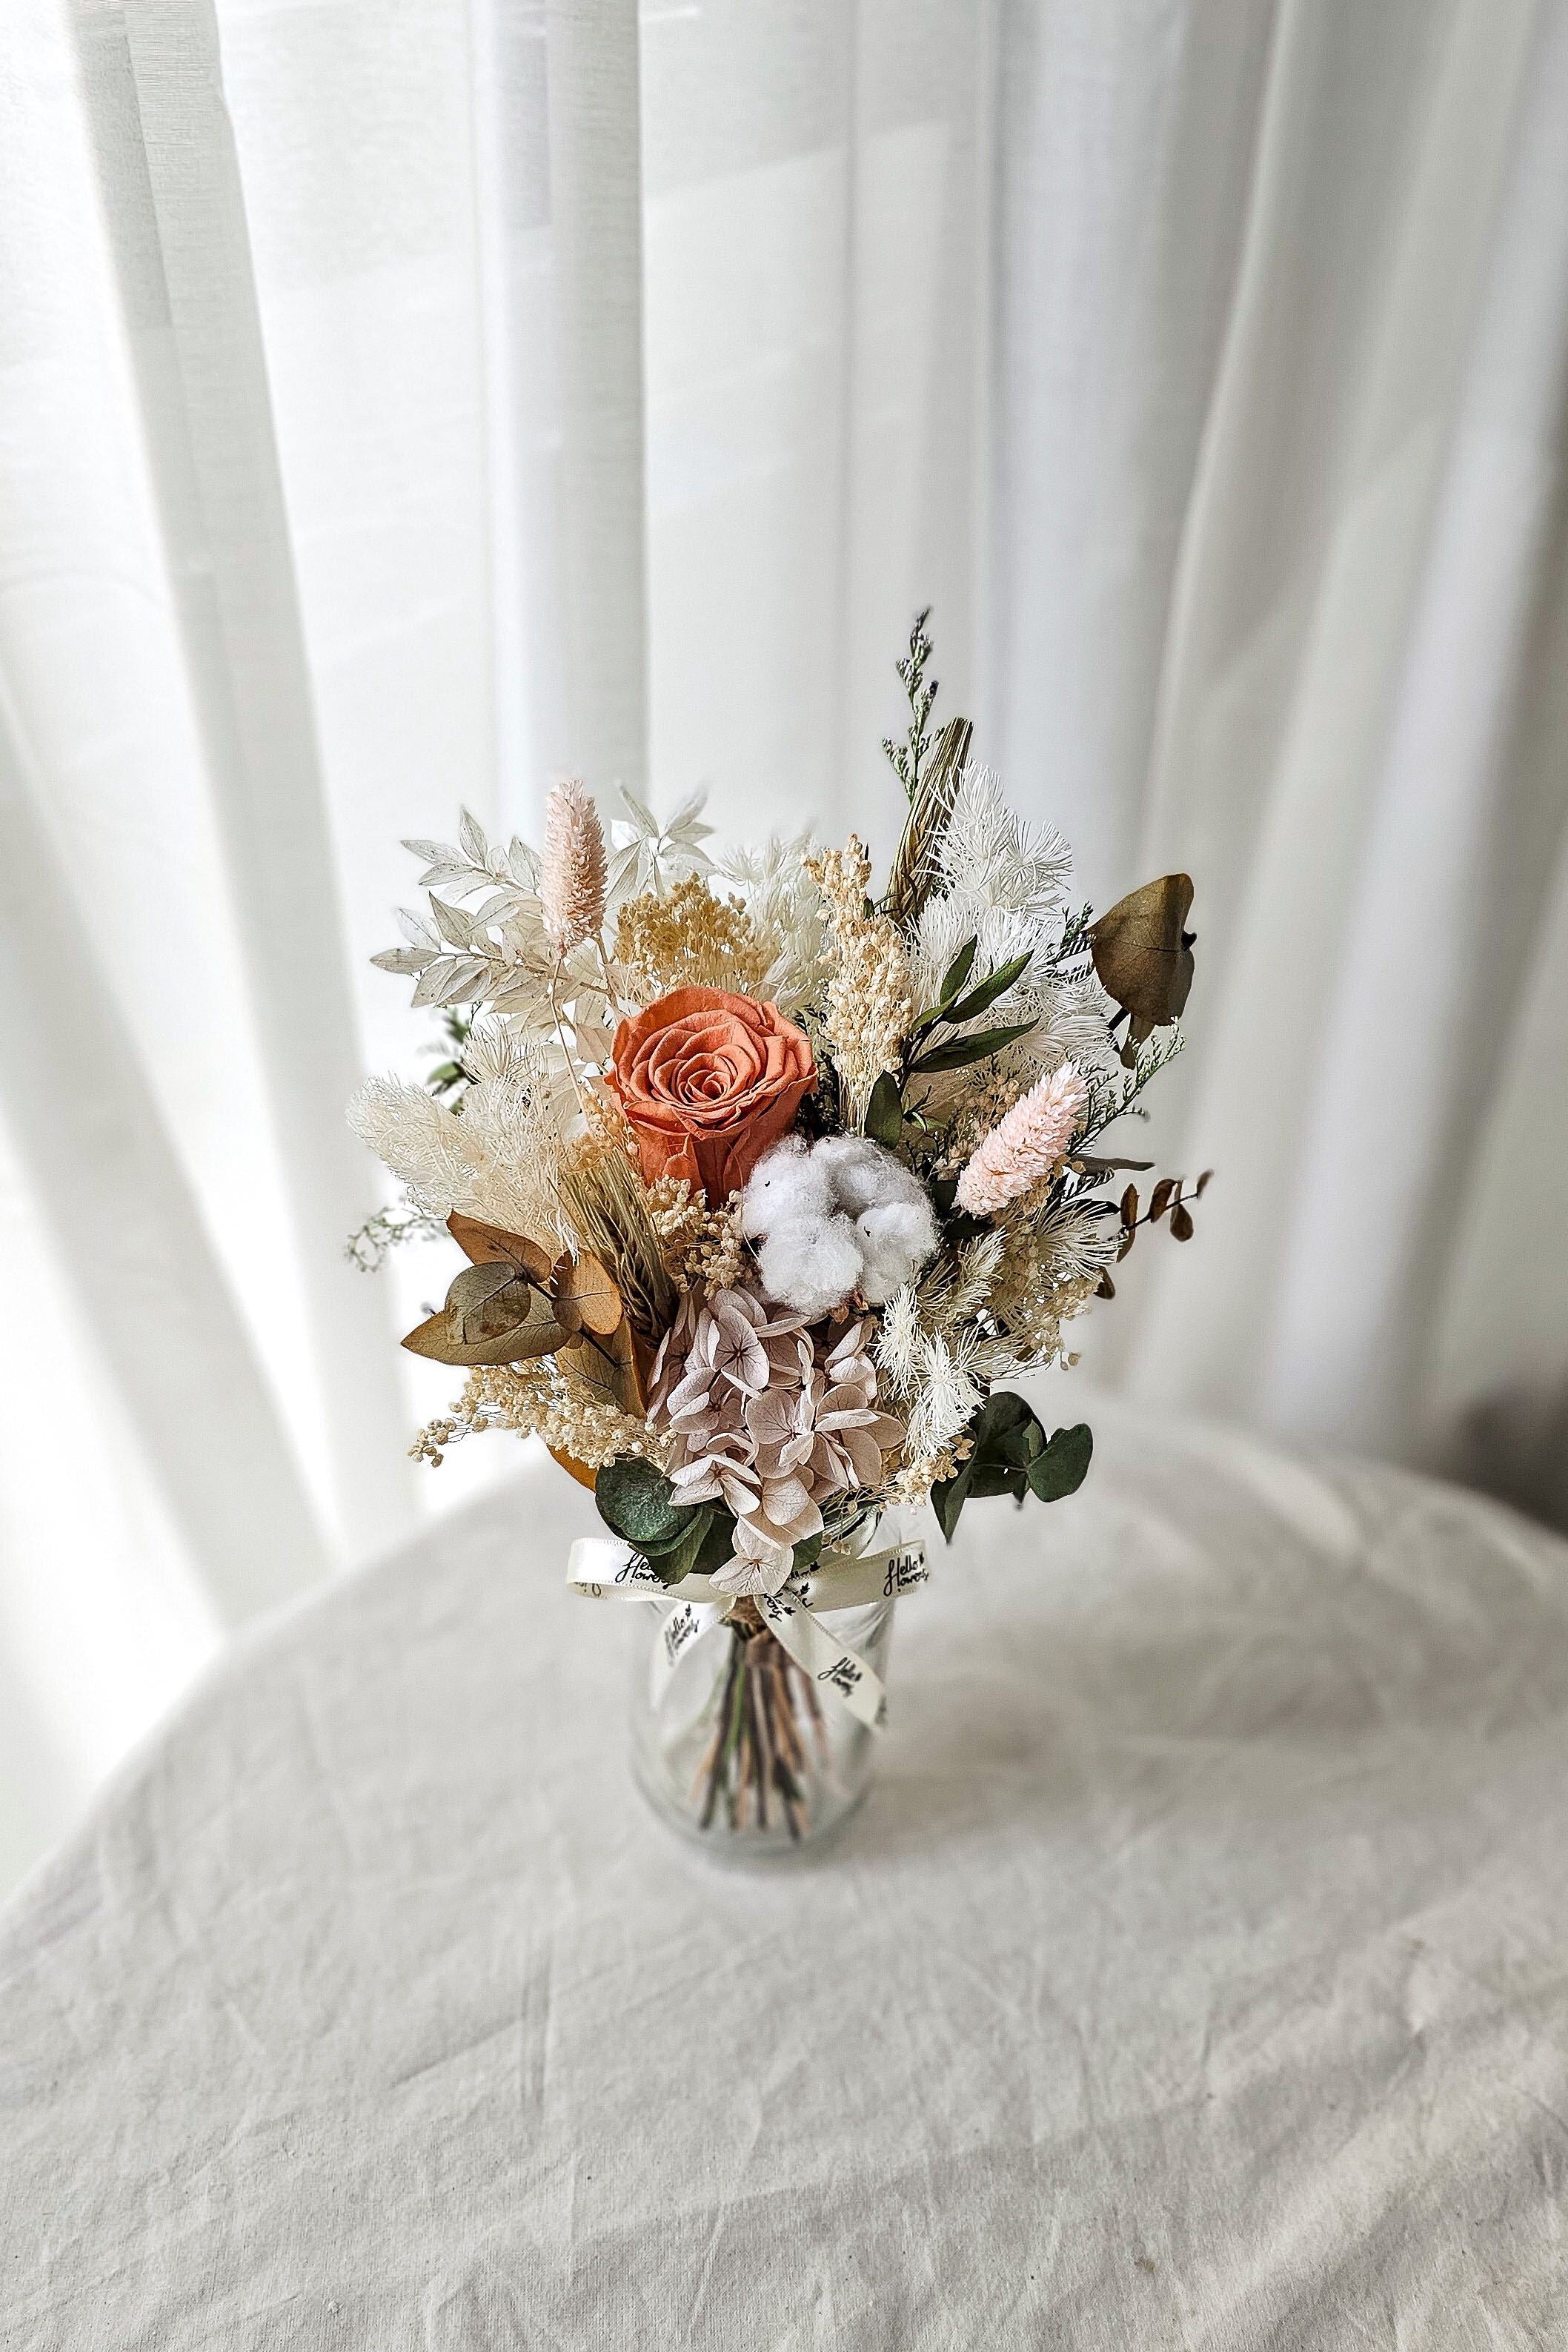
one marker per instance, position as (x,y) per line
(708,1081)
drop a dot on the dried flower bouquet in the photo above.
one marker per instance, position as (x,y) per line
(769,1184)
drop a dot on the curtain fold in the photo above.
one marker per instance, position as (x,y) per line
(152,76)
(127,1236)
(596,222)
(1362,578)
(402,404)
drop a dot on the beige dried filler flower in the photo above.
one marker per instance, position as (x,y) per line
(571,869)
(703,1245)
(688,939)
(871,996)
(540,1399)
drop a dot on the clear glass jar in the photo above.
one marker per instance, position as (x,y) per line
(741,1750)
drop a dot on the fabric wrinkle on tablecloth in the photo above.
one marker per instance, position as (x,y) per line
(1193,1977)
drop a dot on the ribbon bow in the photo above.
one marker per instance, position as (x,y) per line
(602,1568)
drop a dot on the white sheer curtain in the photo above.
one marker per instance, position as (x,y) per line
(402,401)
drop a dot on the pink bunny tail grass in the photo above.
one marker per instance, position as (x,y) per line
(572,867)
(1030,1143)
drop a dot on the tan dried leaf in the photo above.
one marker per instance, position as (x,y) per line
(574,1468)
(489,1246)
(492,1316)
(585,1296)
(1142,952)
(606,1369)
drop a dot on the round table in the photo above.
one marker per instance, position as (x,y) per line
(1193,1976)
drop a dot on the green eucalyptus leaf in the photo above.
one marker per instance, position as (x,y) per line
(1064,1464)
(718,1542)
(1012,1455)
(1003,1409)
(949,1496)
(980,1000)
(997,1477)
(1020,1445)
(957,972)
(960,1050)
(885,1112)
(682,1556)
(638,1502)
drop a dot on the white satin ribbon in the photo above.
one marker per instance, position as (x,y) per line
(601,1567)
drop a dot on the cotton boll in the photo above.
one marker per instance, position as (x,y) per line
(896,1237)
(862,1173)
(787,1183)
(835,1216)
(811,1263)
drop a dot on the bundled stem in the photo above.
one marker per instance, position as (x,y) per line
(756,1761)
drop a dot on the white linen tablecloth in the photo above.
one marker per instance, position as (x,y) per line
(1195,1976)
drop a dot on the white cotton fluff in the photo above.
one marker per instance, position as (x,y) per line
(833,1217)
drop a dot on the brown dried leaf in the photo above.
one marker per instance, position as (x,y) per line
(606,1369)
(1142,952)
(1104,1288)
(492,1316)
(585,1295)
(575,1469)
(1162,1196)
(1197,1189)
(489,1246)
(1181,1223)
(1130,1207)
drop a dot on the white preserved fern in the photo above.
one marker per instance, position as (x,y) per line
(786,908)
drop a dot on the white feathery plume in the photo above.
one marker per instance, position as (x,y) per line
(957,1288)
(1072,1027)
(1072,1245)
(1028,1144)
(493,1049)
(427,1146)
(897,1344)
(946,1394)
(517,1144)
(572,868)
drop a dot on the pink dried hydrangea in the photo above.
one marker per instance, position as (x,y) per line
(775,1417)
